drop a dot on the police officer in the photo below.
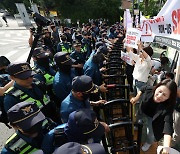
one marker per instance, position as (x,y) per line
(78,98)
(31,126)
(63,78)
(79,56)
(86,43)
(63,45)
(76,148)
(48,41)
(82,127)
(27,89)
(42,65)
(92,68)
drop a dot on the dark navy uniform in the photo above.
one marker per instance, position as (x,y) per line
(92,69)
(31,130)
(80,59)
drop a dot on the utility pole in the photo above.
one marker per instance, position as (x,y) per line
(139,18)
(133,13)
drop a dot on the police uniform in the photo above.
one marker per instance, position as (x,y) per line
(64,47)
(37,93)
(80,59)
(42,68)
(27,116)
(92,69)
(63,78)
(70,104)
(81,84)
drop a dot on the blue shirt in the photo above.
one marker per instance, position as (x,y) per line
(70,104)
(92,69)
(62,85)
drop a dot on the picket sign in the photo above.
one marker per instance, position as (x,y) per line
(132,37)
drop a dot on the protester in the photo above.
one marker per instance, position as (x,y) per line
(158,105)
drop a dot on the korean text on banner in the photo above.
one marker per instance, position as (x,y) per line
(132,37)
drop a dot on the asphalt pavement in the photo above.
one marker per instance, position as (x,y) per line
(13,24)
(13,45)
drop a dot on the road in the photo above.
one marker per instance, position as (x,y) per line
(14,45)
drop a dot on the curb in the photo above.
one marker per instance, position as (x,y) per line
(13,29)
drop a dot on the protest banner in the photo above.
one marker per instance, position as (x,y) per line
(132,37)
(127,19)
(165,24)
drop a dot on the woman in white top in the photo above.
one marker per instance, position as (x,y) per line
(142,65)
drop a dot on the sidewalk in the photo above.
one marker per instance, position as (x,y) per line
(12,24)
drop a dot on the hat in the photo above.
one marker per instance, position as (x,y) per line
(20,70)
(76,43)
(40,53)
(98,44)
(76,148)
(25,115)
(84,84)
(102,49)
(66,28)
(62,58)
(85,122)
(4,61)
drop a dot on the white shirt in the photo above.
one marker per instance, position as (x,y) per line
(142,67)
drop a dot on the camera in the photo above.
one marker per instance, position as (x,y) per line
(40,20)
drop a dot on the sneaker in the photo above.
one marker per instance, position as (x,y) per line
(146,147)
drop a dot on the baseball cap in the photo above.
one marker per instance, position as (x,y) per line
(62,58)
(84,84)
(85,124)
(20,70)
(40,53)
(25,115)
(76,148)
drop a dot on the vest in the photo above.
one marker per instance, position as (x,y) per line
(16,144)
(49,78)
(24,97)
(63,49)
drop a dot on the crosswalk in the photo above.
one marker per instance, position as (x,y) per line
(14,45)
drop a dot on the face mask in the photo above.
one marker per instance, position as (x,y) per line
(65,69)
(44,62)
(98,58)
(85,96)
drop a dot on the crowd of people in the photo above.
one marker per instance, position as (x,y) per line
(53,105)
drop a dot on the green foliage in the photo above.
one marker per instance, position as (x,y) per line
(84,9)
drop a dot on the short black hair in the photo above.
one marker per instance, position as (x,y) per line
(148,50)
